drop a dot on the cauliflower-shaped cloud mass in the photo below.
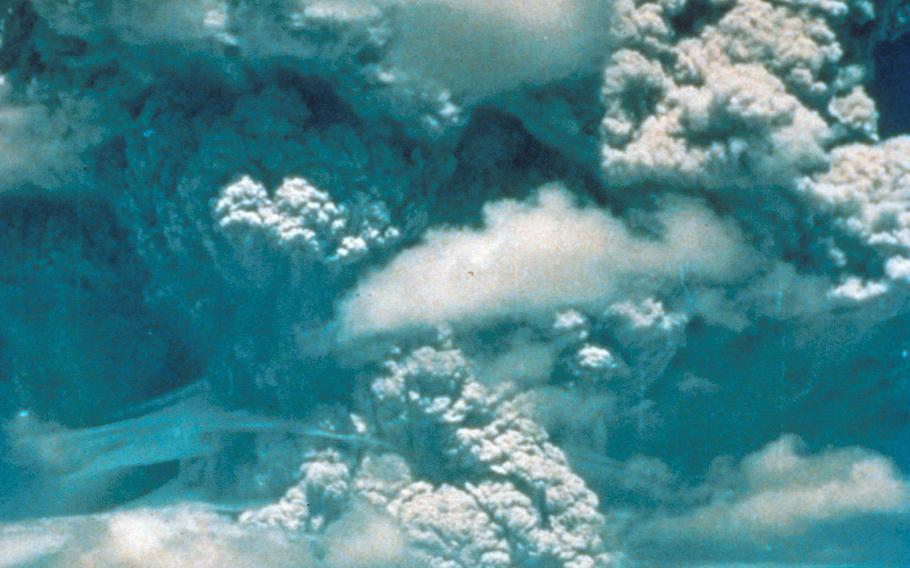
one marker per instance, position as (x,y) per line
(300,218)
(453,283)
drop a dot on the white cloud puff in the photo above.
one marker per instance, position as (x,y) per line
(194,536)
(779,492)
(866,191)
(188,536)
(532,257)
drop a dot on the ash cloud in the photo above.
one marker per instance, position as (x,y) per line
(483,283)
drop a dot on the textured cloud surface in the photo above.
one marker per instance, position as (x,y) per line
(533,258)
(783,493)
(454,283)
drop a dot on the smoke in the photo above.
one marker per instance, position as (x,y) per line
(477,48)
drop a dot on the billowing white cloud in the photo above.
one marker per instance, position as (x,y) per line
(535,256)
(189,536)
(194,536)
(779,492)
